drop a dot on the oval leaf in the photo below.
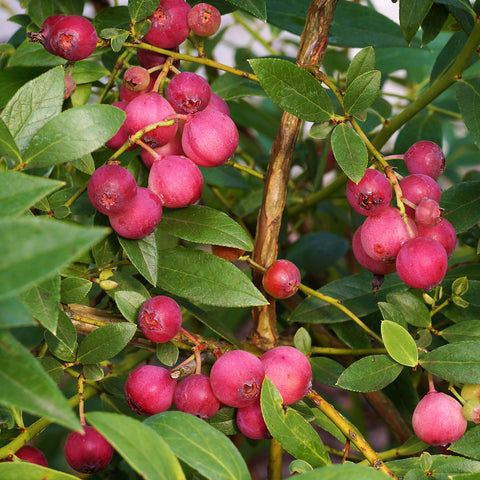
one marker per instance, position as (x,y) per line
(350,152)
(347,471)
(129,303)
(290,429)
(293,89)
(8,146)
(362,92)
(200,276)
(399,343)
(362,62)
(462,205)
(412,14)
(143,449)
(31,471)
(468,100)
(200,445)
(105,342)
(370,374)
(413,309)
(462,331)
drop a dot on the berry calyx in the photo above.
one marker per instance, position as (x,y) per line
(282,279)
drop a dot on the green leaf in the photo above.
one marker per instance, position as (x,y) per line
(230,87)
(468,444)
(105,342)
(27,386)
(13,314)
(432,24)
(413,309)
(290,429)
(256,7)
(141,447)
(455,362)
(346,471)
(34,104)
(31,471)
(139,9)
(293,89)
(86,71)
(200,445)
(448,55)
(362,62)
(55,143)
(468,100)
(362,92)
(326,370)
(202,224)
(63,344)
(93,372)
(369,374)
(8,146)
(392,313)
(412,14)
(462,205)
(85,164)
(42,302)
(462,332)
(302,340)
(116,36)
(399,343)
(350,152)
(36,248)
(129,303)
(75,290)
(167,353)
(19,191)
(200,276)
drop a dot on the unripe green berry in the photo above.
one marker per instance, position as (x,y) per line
(470,391)
(471,410)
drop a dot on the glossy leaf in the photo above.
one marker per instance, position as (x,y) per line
(362,92)
(105,342)
(36,248)
(129,304)
(64,343)
(19,191)
(468,100)
(326,370)
(392,313)
(86,71)
(27,386)
(370,373)
(347,471)
(350,152)
(141,447)
(94,125)
(433,22)
(399,343)
(412,14)
(290,429)
(467,445)
(455,362)
(462,331)
(75,290)
(255,7)
(167,353)
(200,445)
(362,62)
(413,309)
(202,224)
(462,205)
(139,9)
(293,89)
(34,104)
(448,55)
(14,314)
(31,471)
(8,146)
(230,87)
(201,277)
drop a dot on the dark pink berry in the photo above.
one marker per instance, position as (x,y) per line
(70,85)
(194,395)
(204,129)
(218,103)
(160,319)
(236,378)
(89,451)
(282,279)
(148,59)
(290,371)
(428,213)
(204,19)
(149,390)
(425,157)
(422,263)
(371,195)
(188,92)
(173,147)
(438,419)
(43,36)
(444,233)
(73,38)
(31,454)
(251,423)
(112,189)
(136,78)
(141,219)
(169,24)
(176,180)
(416,187)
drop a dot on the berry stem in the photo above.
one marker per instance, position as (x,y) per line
(347,351)
(81,399)
(456,394)
(245,169)
(119,64)
(275,460)
(431,385)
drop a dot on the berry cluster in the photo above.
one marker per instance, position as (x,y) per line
(418,245)
(235,380)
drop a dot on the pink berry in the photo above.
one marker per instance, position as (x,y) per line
(204,129)
(173,147)
(438,419)
(251,423)
(442,232)
(141,219)
(70,85)
(73,38)
(425,157)
(149,390)
(29,453)
(218,103)
(422,263)
(416,187)
(382,235)
(236,378)
(129,95)
(204,19)
(160,319)
(374,266)
(176,180)
(89,451)
(149,59)
(136,78)
(146,110)
(282,279)
(194,395)
(428,213)
(169,24)
(112,189)
(188,92)
(45,32)
(290,371)
(371,195)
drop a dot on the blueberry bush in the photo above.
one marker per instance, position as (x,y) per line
(157,158)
